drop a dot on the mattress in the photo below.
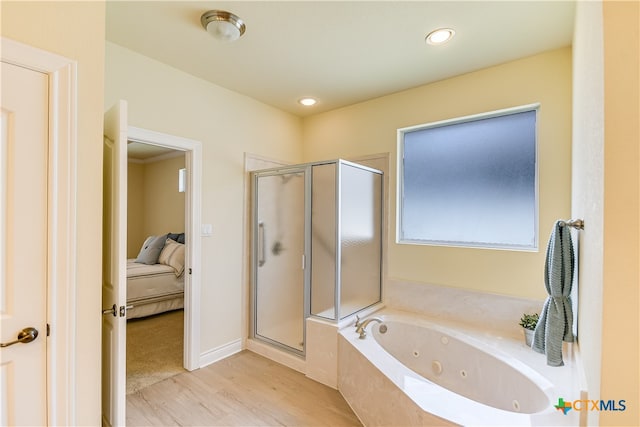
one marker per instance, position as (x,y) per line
(149,282)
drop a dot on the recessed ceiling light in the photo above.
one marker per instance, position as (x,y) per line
(307,102)
(439,36)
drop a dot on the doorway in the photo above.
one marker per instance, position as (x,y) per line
(192,206)
(115,299)
(155,293)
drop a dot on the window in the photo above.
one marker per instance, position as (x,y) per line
(470,181)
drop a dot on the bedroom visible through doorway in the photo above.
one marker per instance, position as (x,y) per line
(156,264)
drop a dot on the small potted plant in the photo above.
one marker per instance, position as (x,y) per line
(528,323)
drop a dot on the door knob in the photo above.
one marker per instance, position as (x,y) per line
(113,310)
(24,336)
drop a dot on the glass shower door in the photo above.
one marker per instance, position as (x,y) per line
(279,281)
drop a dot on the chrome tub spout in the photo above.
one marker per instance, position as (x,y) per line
(360,326)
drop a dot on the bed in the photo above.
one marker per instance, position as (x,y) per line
(155,279)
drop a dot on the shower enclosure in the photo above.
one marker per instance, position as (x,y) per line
(317,247)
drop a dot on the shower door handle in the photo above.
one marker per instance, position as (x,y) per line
(261,244)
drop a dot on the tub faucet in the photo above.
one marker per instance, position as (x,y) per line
(360,327)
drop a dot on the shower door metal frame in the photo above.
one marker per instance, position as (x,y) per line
(337,295)
(307,169)
(305,258)
(337,291)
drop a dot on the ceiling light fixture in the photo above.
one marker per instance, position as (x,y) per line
(440,36)
(308,102)
(224,26)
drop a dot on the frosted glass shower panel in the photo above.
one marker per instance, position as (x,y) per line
(360,238)
(323,240)
(279,288)
(316,245)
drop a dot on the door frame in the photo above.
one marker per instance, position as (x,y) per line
(61,223)
(193,164)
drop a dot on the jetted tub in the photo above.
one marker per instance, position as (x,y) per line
(415,372)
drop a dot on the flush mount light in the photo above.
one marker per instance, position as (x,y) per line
(307,102)
(224,26)
(439,36)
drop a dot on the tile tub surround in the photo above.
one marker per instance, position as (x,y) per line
(322,352)
(381,390)
(498,313)
(322,346)
(373,397)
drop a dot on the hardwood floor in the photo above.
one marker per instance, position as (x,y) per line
(245,389)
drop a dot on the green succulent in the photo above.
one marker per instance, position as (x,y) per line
(529,321)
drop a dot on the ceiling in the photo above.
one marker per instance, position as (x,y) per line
(145,153)
(340,52)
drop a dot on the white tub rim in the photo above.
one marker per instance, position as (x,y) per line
(544,384)
(418,388)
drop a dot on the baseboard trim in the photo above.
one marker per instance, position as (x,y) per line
(219,353)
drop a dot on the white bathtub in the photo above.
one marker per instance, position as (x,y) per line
(421,373)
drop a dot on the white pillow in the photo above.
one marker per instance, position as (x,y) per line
(173,255)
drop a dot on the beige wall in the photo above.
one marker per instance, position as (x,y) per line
(163,204)
(166,100)
(588,187)
(76,30)
(154,204)
(621,279)
(135,209)
(606,193)
(370,127)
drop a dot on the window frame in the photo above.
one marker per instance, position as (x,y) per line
(447,122)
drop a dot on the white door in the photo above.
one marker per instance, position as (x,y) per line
(23,246)
(114,324)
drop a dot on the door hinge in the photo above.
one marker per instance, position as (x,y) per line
(48,329)
(189,270)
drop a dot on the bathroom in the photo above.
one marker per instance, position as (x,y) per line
(350,133)
(594,89)
(586,88)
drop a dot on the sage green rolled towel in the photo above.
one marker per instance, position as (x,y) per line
(556,318)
